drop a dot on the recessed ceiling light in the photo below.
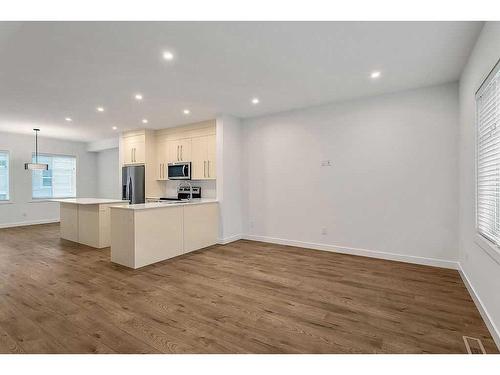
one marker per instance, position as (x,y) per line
(144,120)
(375,74)
(138,96)
(167,55)
(255,101)
(114,128)
(69,119)
(100,109)
(186,111)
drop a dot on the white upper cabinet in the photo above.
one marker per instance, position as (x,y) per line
(203,158)
(134,149)
(161,159)
(195,143)
(179,150)
(211,149)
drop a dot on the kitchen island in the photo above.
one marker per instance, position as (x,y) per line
(87,220)
(143,234)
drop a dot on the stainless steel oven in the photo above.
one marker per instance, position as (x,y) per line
(179,171)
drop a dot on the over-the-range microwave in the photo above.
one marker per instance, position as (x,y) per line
(179,170)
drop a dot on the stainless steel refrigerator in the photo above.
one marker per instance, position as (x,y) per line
(133,188)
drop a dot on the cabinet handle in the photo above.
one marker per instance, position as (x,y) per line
(208,162)
(181,153)
(131,154)
(177,152)
(204,168)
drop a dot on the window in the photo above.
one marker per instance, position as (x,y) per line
(4,176)
(59,181)
(488,157)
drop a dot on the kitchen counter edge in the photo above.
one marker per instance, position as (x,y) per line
(87,201)
(151,205)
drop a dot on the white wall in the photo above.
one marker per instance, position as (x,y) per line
(103,144)
(482,271)
(230,164)
(108,185)
(22,209)
(392,185)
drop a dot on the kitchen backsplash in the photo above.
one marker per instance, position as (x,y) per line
(208,188)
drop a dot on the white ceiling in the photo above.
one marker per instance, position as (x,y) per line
(53,70)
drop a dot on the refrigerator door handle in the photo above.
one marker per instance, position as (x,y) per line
(130,192)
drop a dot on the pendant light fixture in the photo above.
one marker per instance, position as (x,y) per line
(36,165)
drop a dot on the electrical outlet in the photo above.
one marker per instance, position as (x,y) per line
(326,163)
(324,232)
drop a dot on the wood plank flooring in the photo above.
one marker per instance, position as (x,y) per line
(245,297)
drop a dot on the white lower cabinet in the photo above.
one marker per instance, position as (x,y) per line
(158,235)
(140,237)
(87,224)
(200,226)
(69,221)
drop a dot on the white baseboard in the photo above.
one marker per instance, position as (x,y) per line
(361,252)
(223,241)
(494,331)
(25,223)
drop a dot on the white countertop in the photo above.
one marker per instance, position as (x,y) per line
(145,206)
(88,200)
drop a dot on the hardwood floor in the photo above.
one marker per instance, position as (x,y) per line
(245,297)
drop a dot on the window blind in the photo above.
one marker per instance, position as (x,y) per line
(4,176)
(59,181)
(488,158)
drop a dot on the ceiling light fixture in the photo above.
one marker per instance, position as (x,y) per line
(375,74)
(114,128)
(167,55)
(36,165)
(138,96)
(69,119)
(100,109)
(186,111)
(144,120)
(255,101)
